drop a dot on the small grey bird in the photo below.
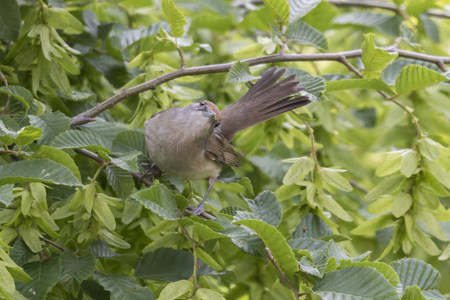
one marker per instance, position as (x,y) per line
(193,142)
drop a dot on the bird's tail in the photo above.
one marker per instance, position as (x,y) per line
(267,99)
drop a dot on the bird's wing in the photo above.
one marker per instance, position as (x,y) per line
(219,149)
(267,99)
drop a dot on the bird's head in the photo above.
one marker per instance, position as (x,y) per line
(209,110)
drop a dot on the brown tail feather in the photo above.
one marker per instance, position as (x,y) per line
(267,99)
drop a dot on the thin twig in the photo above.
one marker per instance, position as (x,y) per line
(62,248)
(8,96)
(313,144)
(194,249)
(282,274)
(358,187)
(87,116)
(183,61)
(407,109)
(92,155)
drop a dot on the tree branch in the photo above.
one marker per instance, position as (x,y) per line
(282,274)
(95,157)
(87,116)
(53,244)
(386,6)
(368,4)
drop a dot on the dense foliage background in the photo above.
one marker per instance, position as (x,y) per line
(347,197)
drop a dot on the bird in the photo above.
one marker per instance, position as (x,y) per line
(194,141)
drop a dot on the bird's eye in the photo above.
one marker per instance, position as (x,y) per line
(201,104)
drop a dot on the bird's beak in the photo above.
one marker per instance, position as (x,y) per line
(209,114)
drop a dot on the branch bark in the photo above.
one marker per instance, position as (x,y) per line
(386,6)
(88,115)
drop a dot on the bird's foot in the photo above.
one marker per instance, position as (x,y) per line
(152,172)
(198,210)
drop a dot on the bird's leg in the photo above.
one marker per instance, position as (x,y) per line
(152,171)
(199,209)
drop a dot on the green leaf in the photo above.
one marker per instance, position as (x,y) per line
(347,84)
(103,213)
(176,289)
(170,265)
(6,280)
(9,20)
(172,239)
(426,195)
(430,27)
(307,244)
(174,17)
(374,59)
(299,8)
(31,237)
(114,239)
(426,242)
(183,93)
(80,139)
(69,66)
(275,242)
(120,180)
(76,269)
(410,162)
(415,272)
(59,77)
(415,77)
(129,143)
(266,208)
(204,256)
(431,223)
(363,19)
(52,124)
(392,71)
(59,156)
(158,199)
(60,18)
(301,33)
(355,283)
(333,178)
(240,72)
(381,267)
(438,171)
(312,226)
(314,88)
(37,170)
(6,194)
(413,293)
(391,164)
(280,8)
(374,224)
(402,203)
(20,93)
(330,204)
(298,170)
(205,294)
(201,232)
(27,135)
(45,275)
(123,287)
(386,187)
(429,148)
